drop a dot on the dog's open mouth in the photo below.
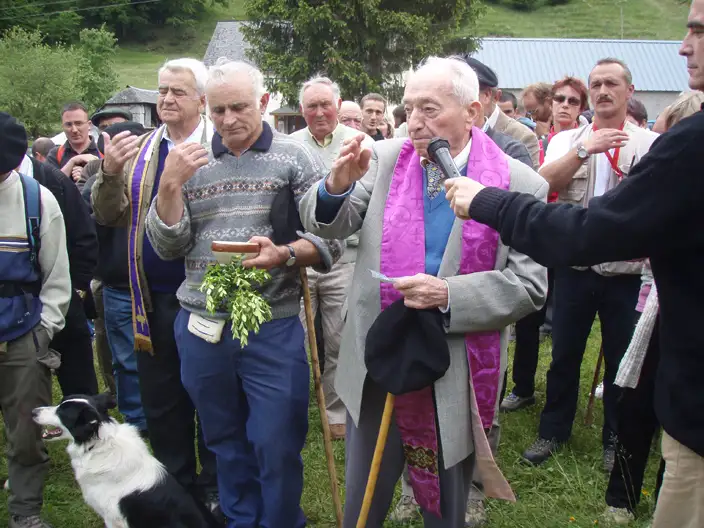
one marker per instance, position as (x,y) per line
(50,432)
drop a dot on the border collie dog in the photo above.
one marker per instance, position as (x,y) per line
(119,478)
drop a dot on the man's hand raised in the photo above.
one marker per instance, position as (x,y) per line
(182,163)
(350,166)
(605,139)
(118,151)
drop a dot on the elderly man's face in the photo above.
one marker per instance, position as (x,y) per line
(76,126)
(178,100)
(434,111)
(693,45)
(319,108)
(236,111)
(351,116)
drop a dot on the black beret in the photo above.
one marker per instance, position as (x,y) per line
(135,128)
(406,349)
(13,143)
(487,77)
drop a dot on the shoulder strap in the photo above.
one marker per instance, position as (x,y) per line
(60,154)
(31,193)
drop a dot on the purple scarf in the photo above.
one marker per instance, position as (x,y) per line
(140,324)
(403,254)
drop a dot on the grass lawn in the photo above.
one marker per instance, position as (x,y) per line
(642,19)
(568,491)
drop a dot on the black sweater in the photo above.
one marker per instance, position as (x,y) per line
(657,212)
(113,268)
(81,238)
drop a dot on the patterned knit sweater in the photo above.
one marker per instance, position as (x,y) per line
(230,199)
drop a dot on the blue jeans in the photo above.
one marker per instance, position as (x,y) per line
(118,327)
(253,406)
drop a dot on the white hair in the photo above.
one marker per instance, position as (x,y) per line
(224,71)
(465,85)
(195,67)
(320,80)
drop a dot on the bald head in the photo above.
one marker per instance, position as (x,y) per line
(41,148)
(350,114)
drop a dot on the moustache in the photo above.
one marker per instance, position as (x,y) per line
(604,99)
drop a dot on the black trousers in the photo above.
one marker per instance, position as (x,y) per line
(170,413)
(579,296)
(76,374)
(637,425)
(525,357)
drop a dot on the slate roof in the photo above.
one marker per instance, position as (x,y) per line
(132,95)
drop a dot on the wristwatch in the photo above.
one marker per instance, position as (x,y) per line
(582,152)
(292,257)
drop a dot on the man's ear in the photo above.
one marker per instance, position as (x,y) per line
(497,94)
(474,112)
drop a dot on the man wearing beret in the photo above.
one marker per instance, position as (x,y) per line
(489,95)
(35,290)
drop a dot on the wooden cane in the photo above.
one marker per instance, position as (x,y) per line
(327,438)
(376,461)
(589,415)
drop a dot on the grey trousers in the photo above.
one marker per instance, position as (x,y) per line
(360,442)
(102,348)
(25,383)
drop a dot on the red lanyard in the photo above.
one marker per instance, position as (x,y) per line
(613,159)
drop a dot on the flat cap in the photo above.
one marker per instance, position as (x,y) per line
(110,112)
(487,77)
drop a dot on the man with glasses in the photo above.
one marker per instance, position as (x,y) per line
(350,114)
(79,147)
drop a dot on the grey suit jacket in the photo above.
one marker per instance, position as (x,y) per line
(480,301)
(522,133)
(511,147)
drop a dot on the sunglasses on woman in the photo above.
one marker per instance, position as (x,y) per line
(572,101)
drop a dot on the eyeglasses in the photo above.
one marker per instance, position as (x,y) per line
(572,101)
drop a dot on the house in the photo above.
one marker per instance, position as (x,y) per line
(659,73)
(139,102)
(228,41)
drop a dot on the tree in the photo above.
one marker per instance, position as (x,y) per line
(35,80)
(364,45)
(96,77)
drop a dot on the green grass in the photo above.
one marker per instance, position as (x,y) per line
(642,19)
(137,63)
(570,485)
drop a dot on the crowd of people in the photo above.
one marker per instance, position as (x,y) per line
(113,232)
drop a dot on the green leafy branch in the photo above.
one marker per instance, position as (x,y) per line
(231,287)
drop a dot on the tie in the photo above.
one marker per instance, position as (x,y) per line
(435,179)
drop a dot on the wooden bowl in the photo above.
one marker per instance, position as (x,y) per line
(224,251)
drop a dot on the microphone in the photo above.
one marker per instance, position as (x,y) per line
(439,153)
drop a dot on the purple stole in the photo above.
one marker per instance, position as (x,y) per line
(403,254)
(140,324)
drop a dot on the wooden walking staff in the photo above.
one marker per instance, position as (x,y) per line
(376,460)
(327,439)
(589,415)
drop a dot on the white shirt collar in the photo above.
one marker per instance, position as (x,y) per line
(462,158)
(195,137)
(491,121)
(9,181)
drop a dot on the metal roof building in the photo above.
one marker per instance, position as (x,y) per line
(659,73)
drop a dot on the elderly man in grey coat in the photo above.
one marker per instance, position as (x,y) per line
(394,198)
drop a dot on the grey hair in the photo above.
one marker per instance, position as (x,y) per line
(224,70)
(465,85)
(194,66)
(318,79)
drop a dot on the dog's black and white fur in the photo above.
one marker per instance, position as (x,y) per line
(118,476)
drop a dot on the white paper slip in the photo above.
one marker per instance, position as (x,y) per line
(384,278)
(209,330)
